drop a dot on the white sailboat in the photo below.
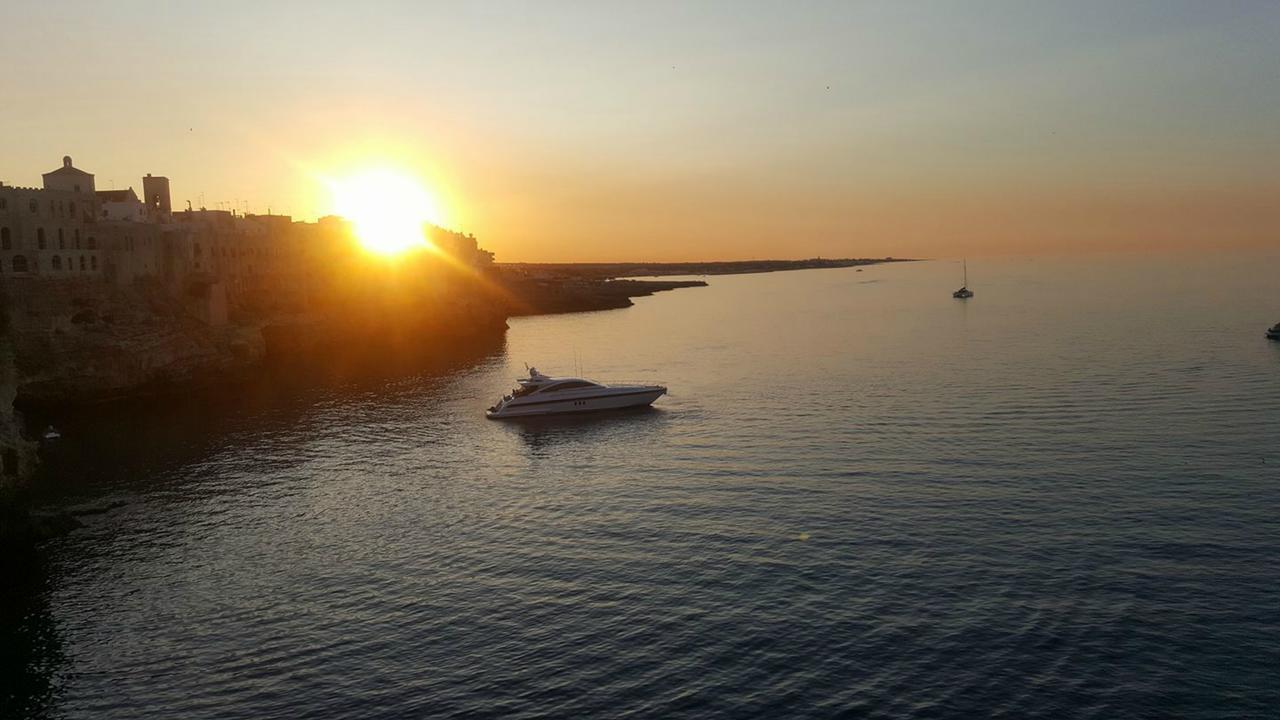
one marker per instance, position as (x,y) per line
(964,292)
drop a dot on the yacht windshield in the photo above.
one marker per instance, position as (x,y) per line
(571,385)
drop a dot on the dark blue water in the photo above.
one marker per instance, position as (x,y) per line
(861,499)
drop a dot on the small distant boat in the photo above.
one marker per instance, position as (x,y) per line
(50,434)
(1273,332)
(964,292)
(539,394)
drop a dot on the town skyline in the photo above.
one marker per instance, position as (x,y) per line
(693,134)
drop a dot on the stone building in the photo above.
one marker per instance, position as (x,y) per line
(69,230)
(132,250)
(69,178)
(121,205)
(220,263)
(156,191)
(461,247)
(50,231)
(256,259)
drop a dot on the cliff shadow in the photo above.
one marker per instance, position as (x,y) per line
(31,648)
(134,441)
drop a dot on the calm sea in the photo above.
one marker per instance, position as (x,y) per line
(862,498)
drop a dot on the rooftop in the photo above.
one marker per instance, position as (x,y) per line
(68,169)
(117,195)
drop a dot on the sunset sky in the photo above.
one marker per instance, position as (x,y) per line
(656,131)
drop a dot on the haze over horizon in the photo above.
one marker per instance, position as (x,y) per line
(669,133)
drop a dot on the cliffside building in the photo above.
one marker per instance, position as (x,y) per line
(247,264)
(50,230)
(121,205)
(69,178)
(156,191)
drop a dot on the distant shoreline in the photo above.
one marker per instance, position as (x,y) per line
(657,269)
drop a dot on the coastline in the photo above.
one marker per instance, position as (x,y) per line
(660,269)
(549,288)
(87,347)
(552,295)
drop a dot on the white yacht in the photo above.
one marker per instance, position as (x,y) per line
(539,394)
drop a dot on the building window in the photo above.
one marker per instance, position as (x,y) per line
(57,263)
(4,203)
(77,244)
(40,238)
(82,264)
(19,263)
(73,205)
(77,187)
(77,231)
(6,242)
(93,262)
(93,244)
(61,242)
(33,206)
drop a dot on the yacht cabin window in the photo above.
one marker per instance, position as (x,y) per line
(571,385)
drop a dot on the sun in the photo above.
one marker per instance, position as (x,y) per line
(387,209)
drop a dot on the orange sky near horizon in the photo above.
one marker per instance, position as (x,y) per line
(671,133)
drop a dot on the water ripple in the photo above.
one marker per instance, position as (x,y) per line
(901,506)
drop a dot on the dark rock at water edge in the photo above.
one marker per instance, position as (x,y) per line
(542,296)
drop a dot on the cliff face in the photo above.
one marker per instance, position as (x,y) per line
(69,343)
(105,363)
(88,342)
(98,344)
(17,454)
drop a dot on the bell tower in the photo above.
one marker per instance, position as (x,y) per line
(156,191)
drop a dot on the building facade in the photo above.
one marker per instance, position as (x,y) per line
(249,264)
(120,205)
(50,231)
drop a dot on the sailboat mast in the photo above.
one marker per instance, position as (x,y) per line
(966,272)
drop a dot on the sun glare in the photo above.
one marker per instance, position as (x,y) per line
(387,209)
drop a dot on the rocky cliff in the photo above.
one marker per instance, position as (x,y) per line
(17,453)
(70,344)
(88,342)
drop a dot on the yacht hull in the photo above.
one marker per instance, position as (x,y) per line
(612,401)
